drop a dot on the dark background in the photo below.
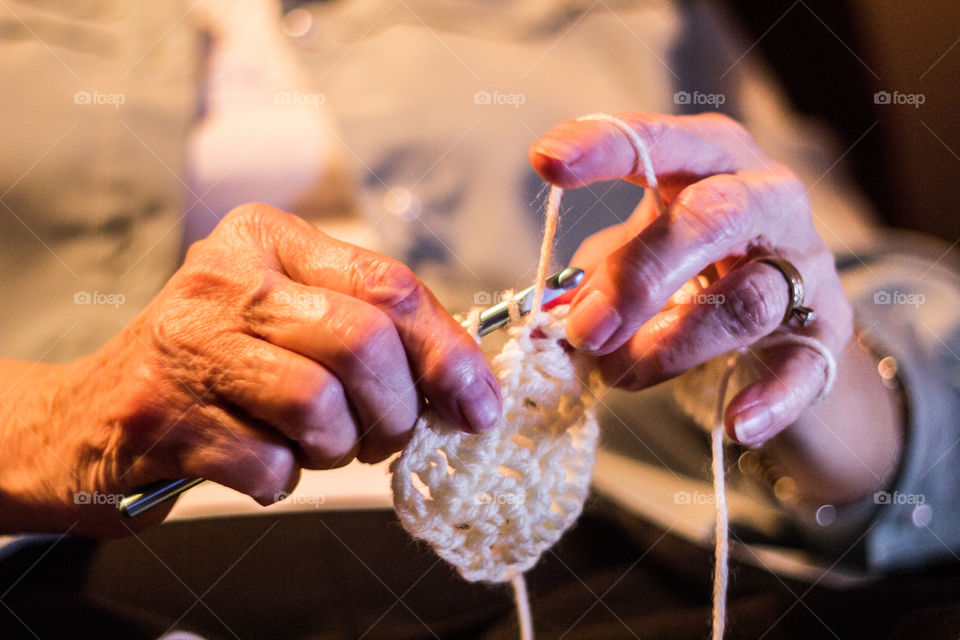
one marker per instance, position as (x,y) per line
(833,55)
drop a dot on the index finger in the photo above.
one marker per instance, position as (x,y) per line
(683,149)
(447,363)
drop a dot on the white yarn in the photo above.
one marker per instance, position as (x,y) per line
(639,148)
(722,528)
(702,392)
(491,503)
(522,602)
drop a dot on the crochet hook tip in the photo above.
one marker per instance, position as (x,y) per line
(556,285)
(569,278)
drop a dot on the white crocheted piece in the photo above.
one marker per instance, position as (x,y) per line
(491,503)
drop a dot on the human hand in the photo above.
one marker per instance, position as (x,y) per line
(273,348)
(726,203)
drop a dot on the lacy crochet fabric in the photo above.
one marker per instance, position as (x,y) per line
(491,503)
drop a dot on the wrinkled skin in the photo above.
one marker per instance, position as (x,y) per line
(273,348)
(726,204)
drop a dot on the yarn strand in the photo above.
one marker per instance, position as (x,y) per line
(721,530)
(640,149)
(546,247)
(721,549)
(521,597)
(522,601)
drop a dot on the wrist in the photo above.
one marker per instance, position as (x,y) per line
(57,440)
(31,445)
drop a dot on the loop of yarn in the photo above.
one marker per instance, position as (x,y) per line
(639,148)
(781,337)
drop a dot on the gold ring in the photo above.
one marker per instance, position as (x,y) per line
(795,309)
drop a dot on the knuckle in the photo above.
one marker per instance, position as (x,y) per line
(650,127)
(371,343)
(390,285)
(730,124)
(210,273)
(671,359)
(795,194)
(713,210)
(326,401)
(308,401)
(641,272)
(264,286)
(196,250)
(736,132)
(374,450)
(329,449)
(250,215)
(452,365)
(322,424)
(256,223)
(751,310)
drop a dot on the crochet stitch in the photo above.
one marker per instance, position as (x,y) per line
(491,503)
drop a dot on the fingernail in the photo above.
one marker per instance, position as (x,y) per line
(592,322)
(751,424)
(479,406)
(559,149)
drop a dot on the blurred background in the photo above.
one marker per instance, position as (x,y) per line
(834,56)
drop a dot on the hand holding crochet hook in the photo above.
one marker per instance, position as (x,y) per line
(733,257)
(275,347)
(489,320)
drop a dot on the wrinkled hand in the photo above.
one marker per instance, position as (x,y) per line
(274,348)
(726,204)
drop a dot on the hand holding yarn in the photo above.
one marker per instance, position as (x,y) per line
(723,203)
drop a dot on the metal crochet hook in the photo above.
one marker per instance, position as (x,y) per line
(491,319)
